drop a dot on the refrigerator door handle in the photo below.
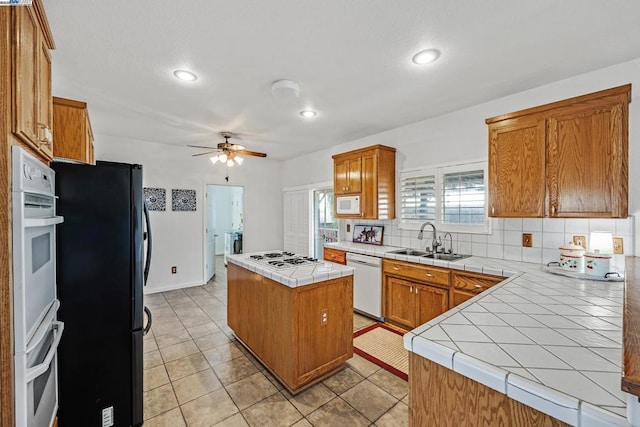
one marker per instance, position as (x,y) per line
(149,320)
(147,235)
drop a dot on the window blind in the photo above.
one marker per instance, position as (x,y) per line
(418,198)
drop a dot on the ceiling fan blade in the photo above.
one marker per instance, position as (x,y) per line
(251,153)
(201,146)
(204,154)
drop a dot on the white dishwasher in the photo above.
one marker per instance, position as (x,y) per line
(367,284)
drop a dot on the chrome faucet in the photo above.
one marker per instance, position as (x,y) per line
(434,243)
(450,251)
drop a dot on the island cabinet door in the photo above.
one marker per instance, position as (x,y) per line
(431,302)
(325,326)
(400,301)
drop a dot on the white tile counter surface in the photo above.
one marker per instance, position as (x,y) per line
(551,342)
(292,276)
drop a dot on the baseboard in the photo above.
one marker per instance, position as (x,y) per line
(155,290)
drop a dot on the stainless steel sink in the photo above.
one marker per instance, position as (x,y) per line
(411,252)
(446,257)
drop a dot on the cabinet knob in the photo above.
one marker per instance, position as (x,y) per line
(411,289)
(362,214)
(46,138)
(553,210)
(396,268)
(416,290)
(493,210)
(429,275)
(478,286)
(333,256)
(347,188)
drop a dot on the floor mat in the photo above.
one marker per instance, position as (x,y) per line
(384,347)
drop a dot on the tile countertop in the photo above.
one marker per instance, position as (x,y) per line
(551,342)
(293,276)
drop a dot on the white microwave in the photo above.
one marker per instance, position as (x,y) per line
(348,205)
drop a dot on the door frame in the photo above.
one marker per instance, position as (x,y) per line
(205,214)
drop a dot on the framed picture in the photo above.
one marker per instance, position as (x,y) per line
(370,234)
(156,198)
(183,200)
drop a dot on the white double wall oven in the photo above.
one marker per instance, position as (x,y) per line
(36,330)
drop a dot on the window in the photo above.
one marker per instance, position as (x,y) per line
(452,197)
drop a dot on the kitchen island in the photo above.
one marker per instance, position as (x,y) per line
(296,319)
(536,349)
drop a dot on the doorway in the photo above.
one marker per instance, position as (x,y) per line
(325,225)
(224,216)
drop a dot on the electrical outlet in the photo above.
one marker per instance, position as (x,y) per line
(323,316)
(580,241)
(174,269)
(618,245)
(527,240)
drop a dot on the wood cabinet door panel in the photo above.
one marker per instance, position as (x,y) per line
(354,178)
(431,302)
(400,301)
(45,107)
(369,195)
(458,297)
(517,168)
(27,51)
(585,165)
(340,177)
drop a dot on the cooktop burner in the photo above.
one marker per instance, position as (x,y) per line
(281,260)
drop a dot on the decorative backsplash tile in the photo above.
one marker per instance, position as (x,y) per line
(505,241)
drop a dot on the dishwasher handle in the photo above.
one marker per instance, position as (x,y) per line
(363,260)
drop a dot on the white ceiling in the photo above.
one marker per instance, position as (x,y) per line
(351,58)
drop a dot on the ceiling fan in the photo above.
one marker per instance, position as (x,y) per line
(228,153)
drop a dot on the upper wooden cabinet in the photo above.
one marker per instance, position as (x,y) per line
(370,173)
(73,135)
(32,107)
(568,159)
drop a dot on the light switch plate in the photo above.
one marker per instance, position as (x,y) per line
(527,240)
(618,245)
(581,241)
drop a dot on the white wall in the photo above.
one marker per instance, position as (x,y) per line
(462,135)
(178,236)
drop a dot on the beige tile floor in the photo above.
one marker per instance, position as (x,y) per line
(197,374)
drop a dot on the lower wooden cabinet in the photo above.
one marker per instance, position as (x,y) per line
(301,335)
(467,285)
(413,293)
(335,255)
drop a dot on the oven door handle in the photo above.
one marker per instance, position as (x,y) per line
(35,371)
(42,222)
(42,330)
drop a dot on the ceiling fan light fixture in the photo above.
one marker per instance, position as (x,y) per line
(214,159)
(223,158)
(426,56)
(308,114)
(239,160)
(230,162)
(185,75)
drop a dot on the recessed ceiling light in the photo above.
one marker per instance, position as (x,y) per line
(185,75)
(426,56)
(308,113)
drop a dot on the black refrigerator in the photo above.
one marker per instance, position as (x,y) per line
(101,270)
